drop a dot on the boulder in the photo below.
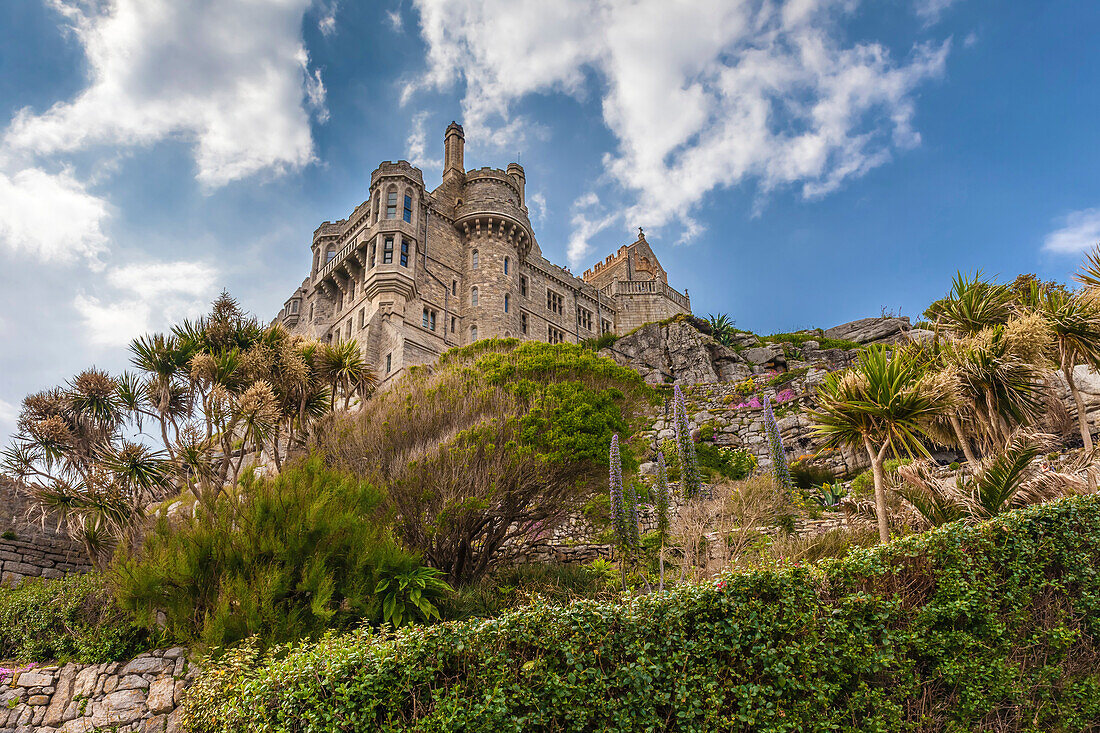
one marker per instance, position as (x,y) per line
(871,330)
(677,352)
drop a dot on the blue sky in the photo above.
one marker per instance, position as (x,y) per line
(795,164)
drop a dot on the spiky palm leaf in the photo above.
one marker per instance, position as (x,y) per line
(721,326)
(972,305)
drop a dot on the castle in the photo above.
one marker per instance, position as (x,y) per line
(411,273)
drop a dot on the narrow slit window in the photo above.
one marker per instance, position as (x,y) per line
(387,251)
(408,212)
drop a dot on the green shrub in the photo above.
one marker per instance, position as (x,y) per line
(286,558)
(801,337)
(599,342)
(537,583)
(72,619)
(986,627)
(789,376)
(863,485)
(729,463)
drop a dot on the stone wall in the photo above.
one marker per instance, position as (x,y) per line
(30,549)
(140,695)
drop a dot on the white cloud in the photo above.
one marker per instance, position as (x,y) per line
(1079,231)
(230,77)
(327,22)
(51,216)
(536,205)
(8,415)
(931,10)
(396,21)
(417,145)
(147,297)
(729,92)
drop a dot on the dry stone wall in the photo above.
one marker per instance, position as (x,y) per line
(30,549)
(141,695)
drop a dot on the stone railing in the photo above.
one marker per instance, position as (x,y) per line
(141,695)
(647,287)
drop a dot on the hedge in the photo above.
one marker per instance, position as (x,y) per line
(986,627)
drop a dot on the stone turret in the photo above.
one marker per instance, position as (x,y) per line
(454,142)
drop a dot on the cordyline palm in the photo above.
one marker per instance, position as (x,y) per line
(1074,322)
(164,362)
(343,367)
(1002,388)
(972,305)
(882,405)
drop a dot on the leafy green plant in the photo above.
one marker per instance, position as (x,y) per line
(829,495)
(730,463)
(408,596)
(961,628)
(9,535)
(286,558)
(69,619)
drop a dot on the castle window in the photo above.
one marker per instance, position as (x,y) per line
(584,319)
(505,265)
(605,326)
(351,289)
(523,322)
(523,285)
(373,249)
(408,213)
(454,322)
(473,297)
(362,318)
(391,205)
(311,311)
(387,251)
(506,302)
(330,253)
(554,302)
(377,198)
(473,334)
(474,260)
(404,252)
(429,319)
(389,362)
(454,287)
(293,306)
(349,328)
(555,335)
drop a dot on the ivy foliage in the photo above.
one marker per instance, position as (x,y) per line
(967,627)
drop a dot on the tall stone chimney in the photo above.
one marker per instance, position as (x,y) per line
(453,143)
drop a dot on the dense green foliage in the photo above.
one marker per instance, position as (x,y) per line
(71,619)
(496,443)
(730,463)
(287,558)
(993,626)
(800,337)
(863,485)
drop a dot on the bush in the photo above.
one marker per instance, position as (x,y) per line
(525,585)
(729,463)
(286,558)
(493,446)
(72,619)
(806,476)
(987,627)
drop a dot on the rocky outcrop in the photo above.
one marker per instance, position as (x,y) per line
(664,353)
(140,695)
(881,330)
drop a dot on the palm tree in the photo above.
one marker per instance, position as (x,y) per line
(343,367)
(972,305)
(882,405)
(1074,321)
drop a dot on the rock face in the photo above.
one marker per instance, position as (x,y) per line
(871,330)
(140,695)
(677,352)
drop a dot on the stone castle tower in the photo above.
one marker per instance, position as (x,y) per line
(411,273)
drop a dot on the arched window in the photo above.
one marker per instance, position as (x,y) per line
(505,265)
(474,261)
(391,204)
(377,198)
(330,253)
(473,297)
(506,302)
(407,212)
(473,334)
